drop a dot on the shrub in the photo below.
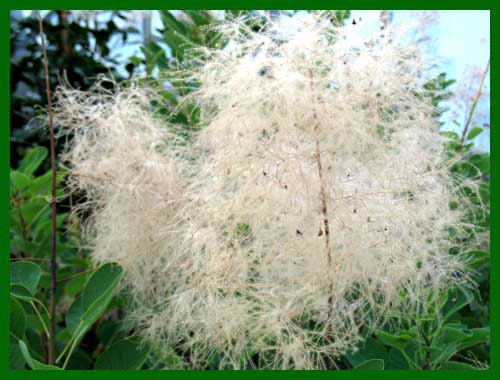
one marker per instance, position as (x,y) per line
(312,204)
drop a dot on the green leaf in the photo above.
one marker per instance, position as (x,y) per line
(16,358)
(34,322)
(108,330)
(175,34)
(199,17)
(45,228)
(443,353)
(452,334)
(171,22)
(399,341)
(27,274)
(477,259)
(20,292)
(448,341)
(18,181)
(75,285)
(396,360)
(451,135)
(452,365)
(17,319)
(452,338)
(32,363)
(372,349)
(172,360)
(455,334)
(80,360)
(19,244)
(35,209)
(100,283)
(33,159)
(372,364)
(95,298)
(74,315)
(457,300)
(127,354)
(478,335)
(474,132)
(481,162)
(42,185)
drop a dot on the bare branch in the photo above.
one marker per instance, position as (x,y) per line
(53,264)
(474,103)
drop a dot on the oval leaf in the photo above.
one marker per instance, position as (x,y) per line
(477,259)
(102,281)
(18,181)
(450,334)
(372,364)
(478,335)
(457,300)
(95,298)
(399,341)
(75,285)
(17,319)
(126,354)
(452,365)
(33,159)
(25,273)
(474,132)
(20,292)
(42,185)
(16,358)
(372,349)
(32,363)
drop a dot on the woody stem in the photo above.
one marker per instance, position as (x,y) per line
(326,223)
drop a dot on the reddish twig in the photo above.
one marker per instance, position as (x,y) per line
(474,103)
(63,17)
(53,264)
(326,224)
(27,259)
(76,275)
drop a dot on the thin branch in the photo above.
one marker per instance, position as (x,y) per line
(28,259)
(53,264)
(326,224)
(22,222)
(474,103)
(76,275)
(63,17)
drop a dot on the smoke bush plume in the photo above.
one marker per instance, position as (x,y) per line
(314,201)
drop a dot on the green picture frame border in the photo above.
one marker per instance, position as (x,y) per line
(6,373)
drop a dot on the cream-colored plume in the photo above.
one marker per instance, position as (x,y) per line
(314,201)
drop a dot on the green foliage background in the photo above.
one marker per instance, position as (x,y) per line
(91,330)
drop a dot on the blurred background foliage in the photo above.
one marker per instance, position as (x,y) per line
(91,330)
(78,50)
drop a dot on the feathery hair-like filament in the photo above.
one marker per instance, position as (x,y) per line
(313,201)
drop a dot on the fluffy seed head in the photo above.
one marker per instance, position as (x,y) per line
(314,200)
